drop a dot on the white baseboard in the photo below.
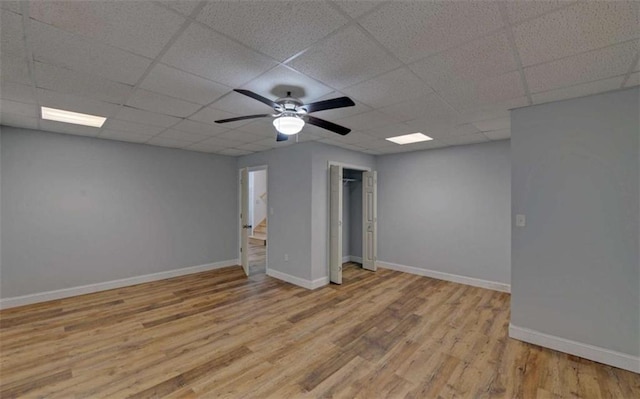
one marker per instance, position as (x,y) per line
(346,259)
(6,303)
(357,259)
(300,282)
(476,282)
(595,353)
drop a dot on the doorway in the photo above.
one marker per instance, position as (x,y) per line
(352,220)
(254,220)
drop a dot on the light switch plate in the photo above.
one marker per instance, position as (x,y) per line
(521,220)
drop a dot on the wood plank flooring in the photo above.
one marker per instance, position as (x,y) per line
(220,334)
(257,257)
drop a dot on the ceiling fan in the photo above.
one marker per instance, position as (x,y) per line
(291,114)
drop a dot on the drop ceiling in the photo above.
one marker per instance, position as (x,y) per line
(162,72)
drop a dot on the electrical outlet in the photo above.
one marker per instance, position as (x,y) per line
(521,220)
(286,257)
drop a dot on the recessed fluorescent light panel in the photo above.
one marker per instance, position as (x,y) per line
(409,138)
(76,118)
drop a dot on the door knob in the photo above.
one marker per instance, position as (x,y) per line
(247,226)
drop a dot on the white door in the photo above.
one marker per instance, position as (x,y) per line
(369,220)
(244,219)
(335,225)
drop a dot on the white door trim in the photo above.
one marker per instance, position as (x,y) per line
(253,169)
(343,165)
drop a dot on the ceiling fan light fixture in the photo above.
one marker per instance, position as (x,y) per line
(288,125)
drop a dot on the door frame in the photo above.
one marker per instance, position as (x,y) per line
(344,166)
(252,169)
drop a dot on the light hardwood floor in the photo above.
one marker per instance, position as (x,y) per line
(220,334)
(257,257)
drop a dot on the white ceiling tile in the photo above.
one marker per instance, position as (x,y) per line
(234,152)
(465,139)
(68,128)
(272,143)
(421,146)
(578,90)
(205,147)
(13,63)
(492,111)
(186,136)
(239,104)
(397,129)
(470,93)
(498,134)
(219,143)
(585,67)
(356,137)
(430,106)
(175,83)
(138,26)
(64,80)
(17,92)
(414,30)
(390,88)
(210,55)
(344,59)
(521,10)
(11,39)
(281,79)
(355,8)
(166,142)
(338,113)
(278,29)
(72,102)
(184,7)
(634,80)
(463,129)
(55,46)
(14,107)
(124,136)
(11,5)
(367,120)
(377,144)
(209,115)
(200,128)
(240,136)
(162,104)
(483,58)
(253,147)
(148,118)
(584,26)
(340,144)
(125,126)
(16,120)
(14,69)
(260,127)
(493,124)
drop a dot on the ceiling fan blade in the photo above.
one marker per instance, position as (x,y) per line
(241,118)
(258,97)
(327,125)
(339,102)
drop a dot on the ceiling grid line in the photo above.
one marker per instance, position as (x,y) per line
(165,48)
(515,52)
(631,69)
(24,6)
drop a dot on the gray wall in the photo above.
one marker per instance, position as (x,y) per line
(447,210)
(79,210)
(298,194)
(320,156)
(575,177)
(289,187)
